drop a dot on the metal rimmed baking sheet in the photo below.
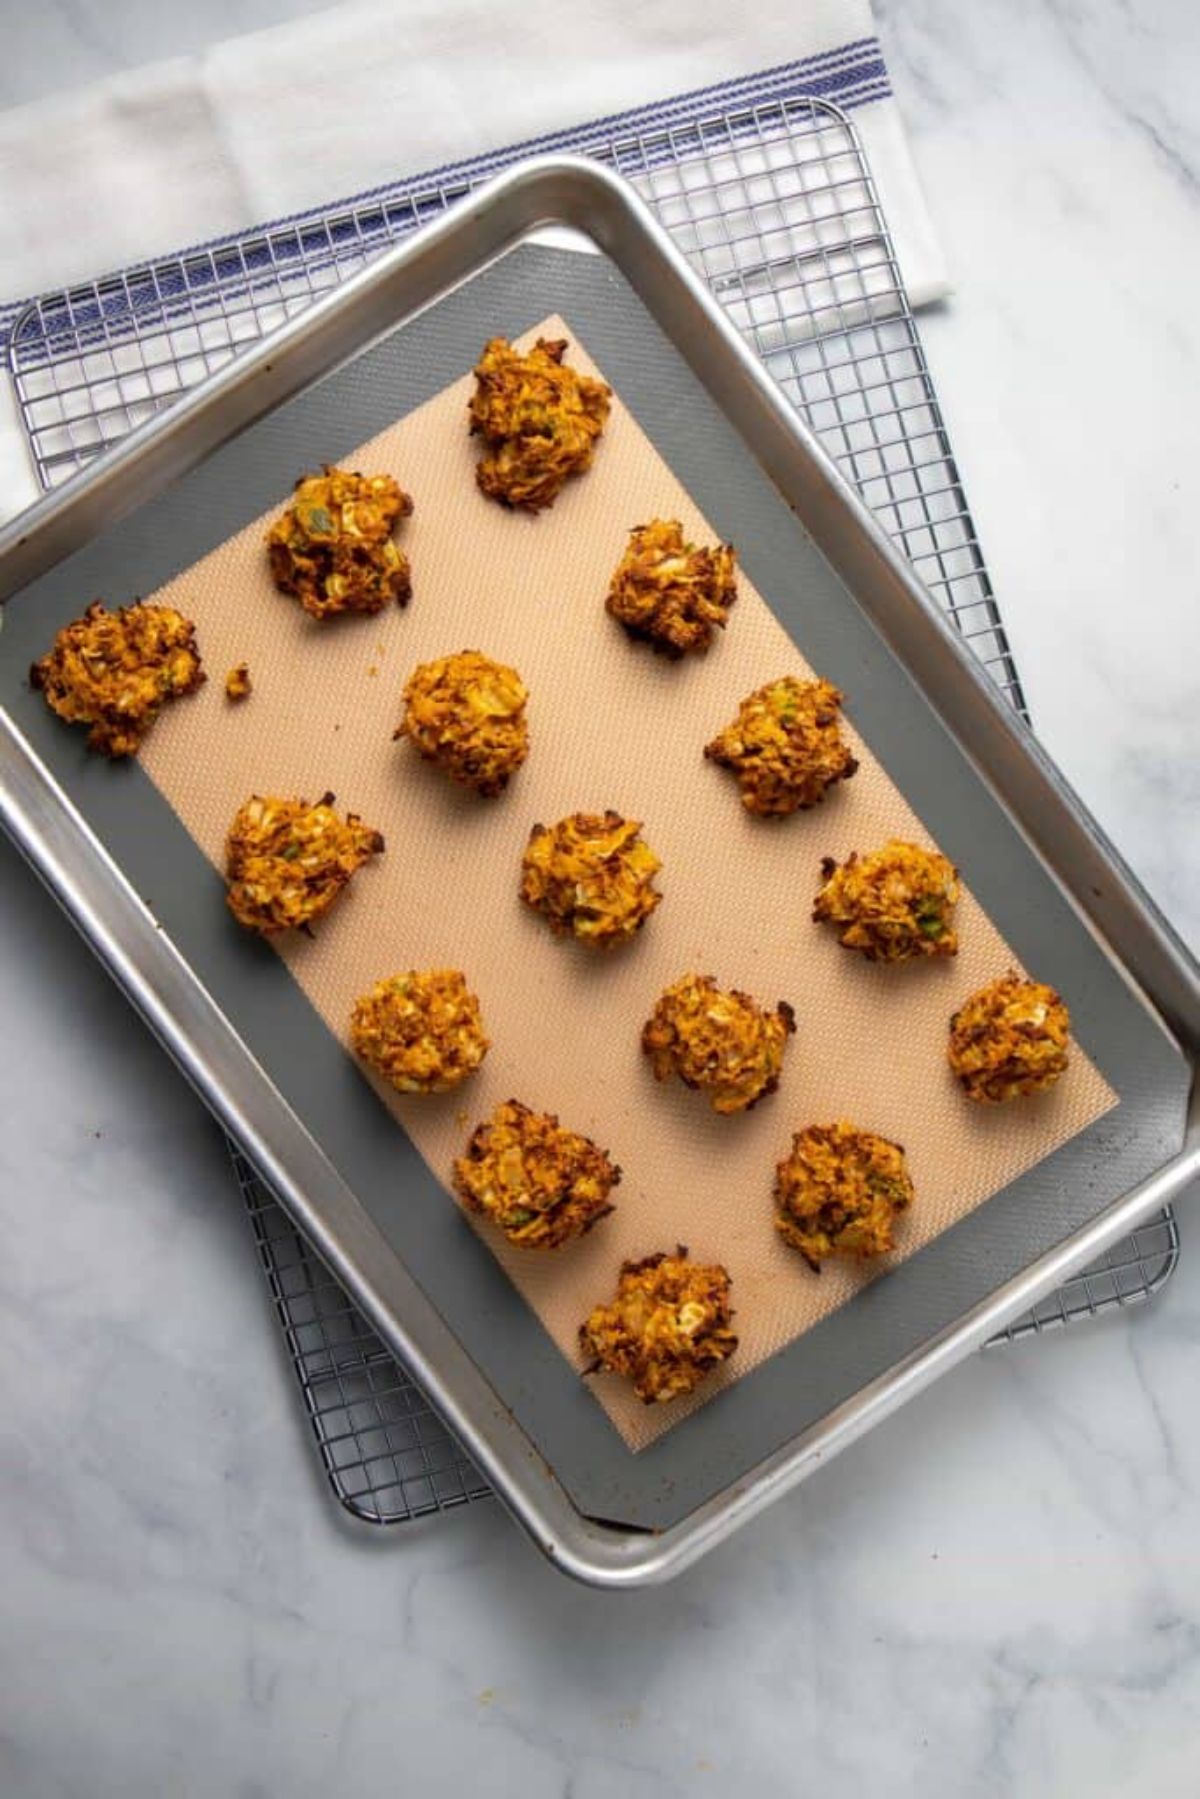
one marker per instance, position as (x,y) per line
(156,540)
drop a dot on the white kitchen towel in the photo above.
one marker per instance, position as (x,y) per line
(355,98)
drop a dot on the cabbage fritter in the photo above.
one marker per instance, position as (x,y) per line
(1010,1038)
(539,419)
(333,550)
(723,1042)
(287,861)
(785,747)
(421,1032)
(839,1193)
(591,876)
(541,1184)
(238,685)
(467,714)
(115,671)
(892,904)
(671,593)
(667,1327)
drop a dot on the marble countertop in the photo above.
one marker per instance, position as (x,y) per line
(996,1592)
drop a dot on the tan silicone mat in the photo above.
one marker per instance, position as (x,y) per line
(611,725)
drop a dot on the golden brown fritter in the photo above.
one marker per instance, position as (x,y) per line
(892,904)
(115,671)
(333,550)
(671,593)
(785,747)
(1009,1039)
(539,419)
(541,1184)
(591,876)
(839,1193)
(467,714)
(667,1327)
(722,1042)
(238,685)
(287,861)
(421,1032)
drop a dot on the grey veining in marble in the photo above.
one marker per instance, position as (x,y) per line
(999,1591)
(1060,148)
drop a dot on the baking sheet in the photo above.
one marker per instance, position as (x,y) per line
(612,725)
(531,1377)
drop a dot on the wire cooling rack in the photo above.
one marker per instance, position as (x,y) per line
(774,205)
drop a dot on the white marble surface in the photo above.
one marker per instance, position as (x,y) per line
(998,1592)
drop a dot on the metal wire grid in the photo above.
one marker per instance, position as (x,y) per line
(1129,1273)
(387,1455)
(774,205)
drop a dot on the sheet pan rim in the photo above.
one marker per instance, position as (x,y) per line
(57,841)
